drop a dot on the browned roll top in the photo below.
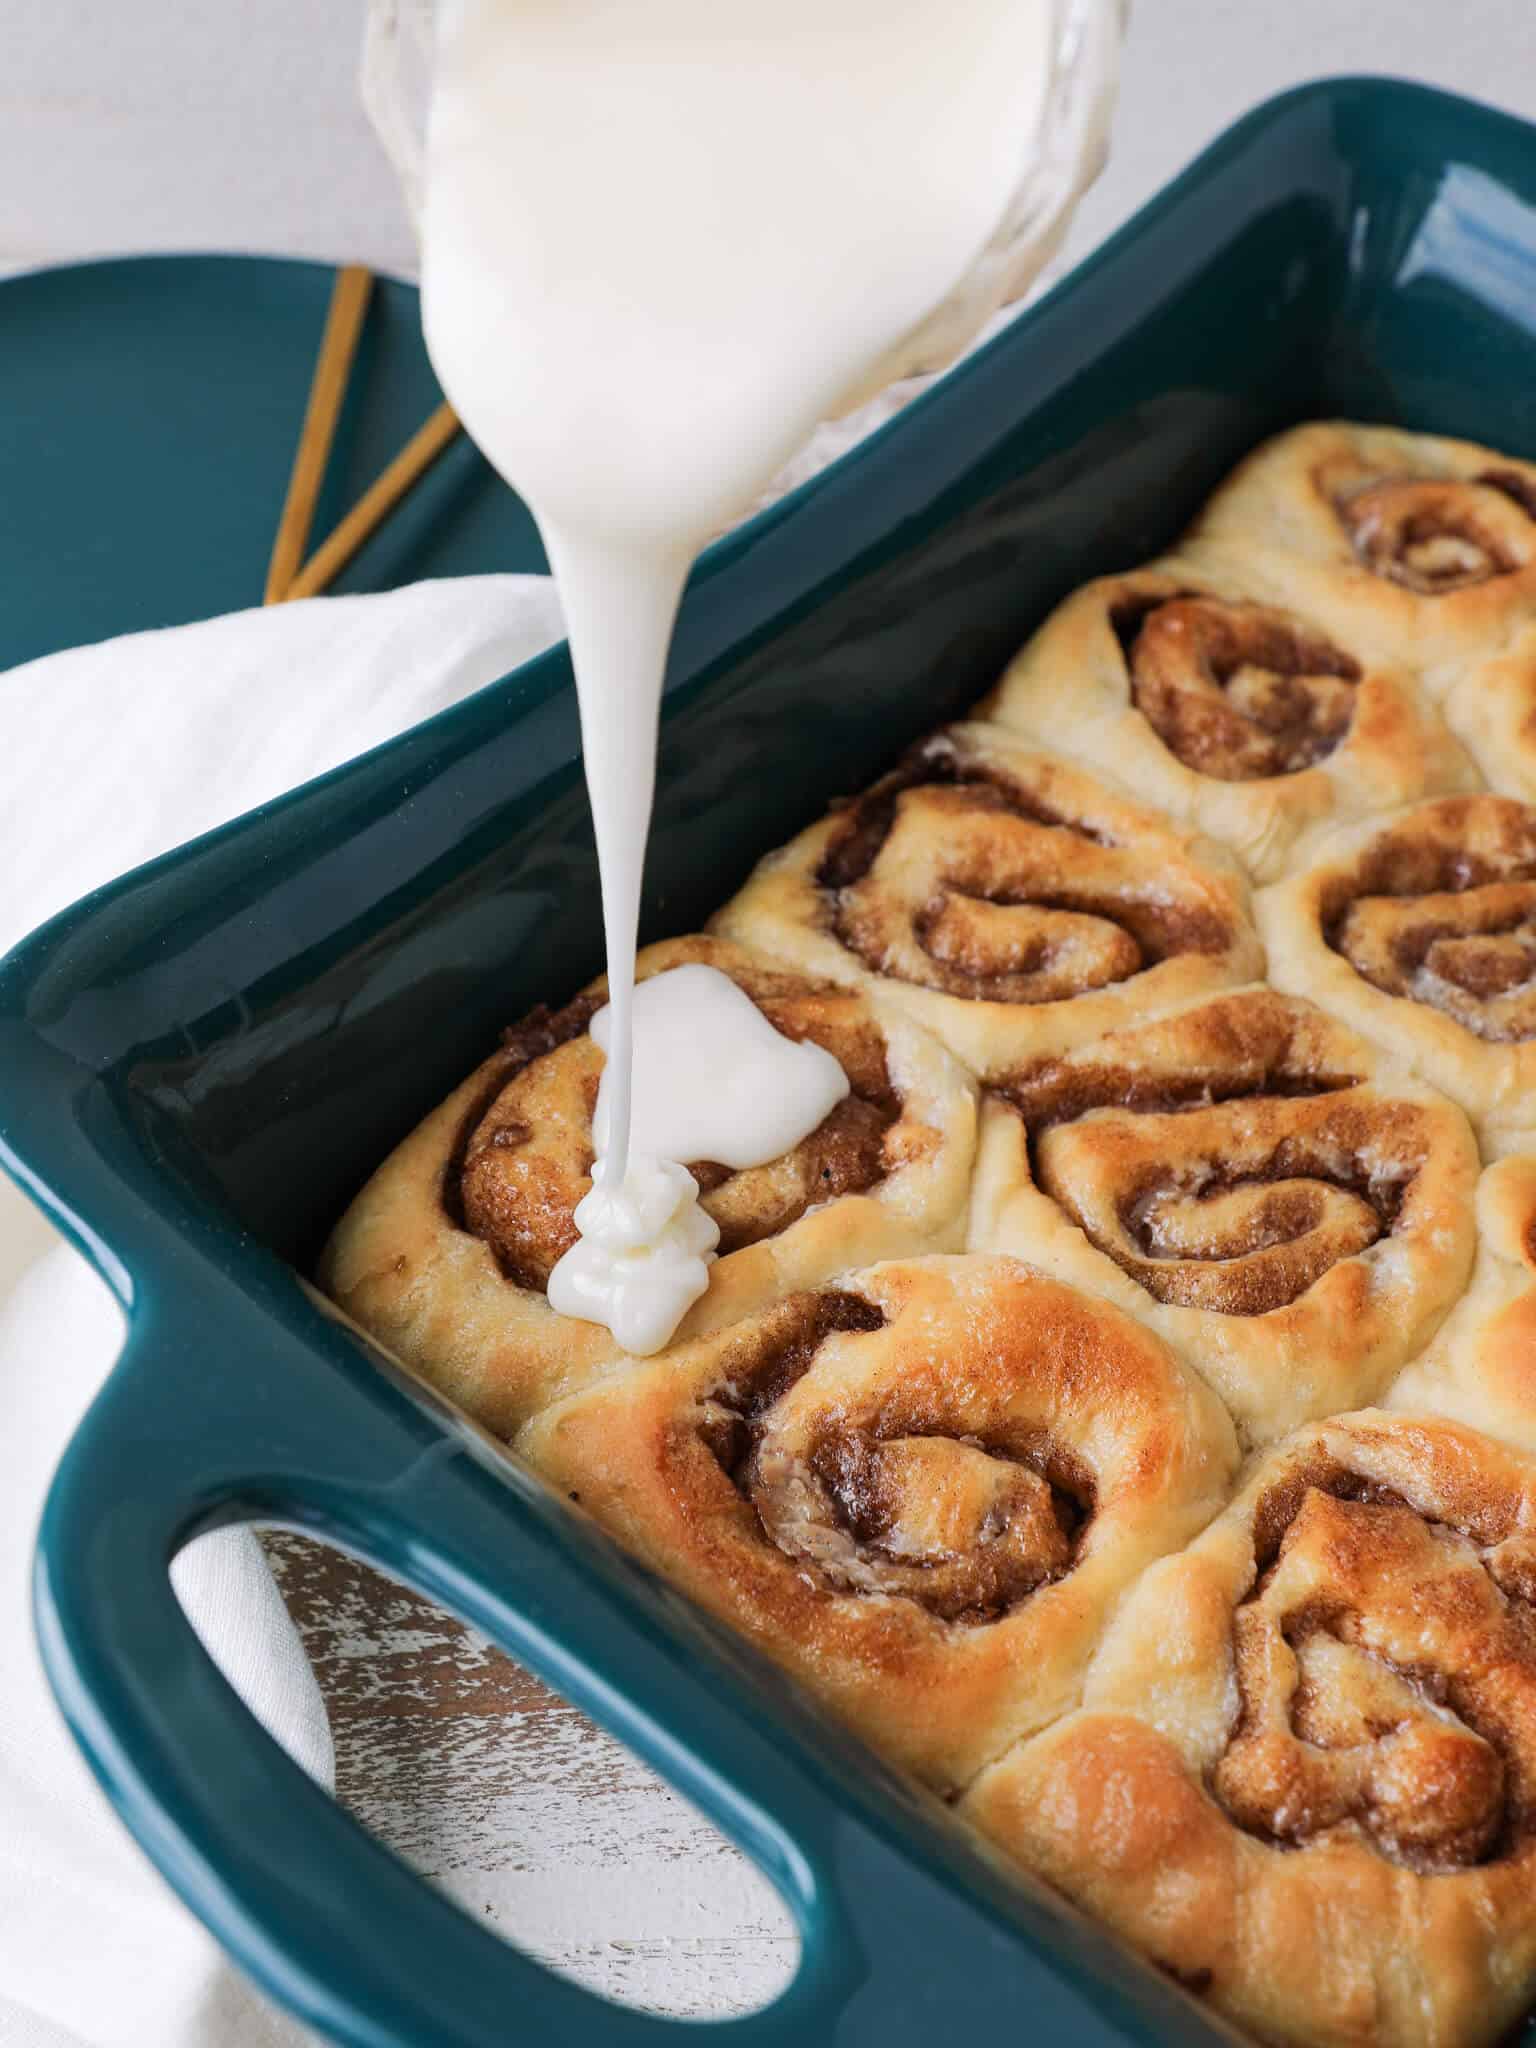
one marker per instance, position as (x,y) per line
(1386,1665)
(920,1487)
(951,875)
(1235,690)
(1441,910)
(1215,1160)
(907,1490)
(525,1155)
(1435,535)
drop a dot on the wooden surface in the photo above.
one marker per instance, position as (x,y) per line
(520,1809)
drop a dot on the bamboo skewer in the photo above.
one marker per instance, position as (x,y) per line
(338,345)
(288,574)
(375,505)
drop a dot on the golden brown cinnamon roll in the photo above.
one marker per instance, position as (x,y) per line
(446,1253)
(1238,718)
(919,1490)
(1418,551)
(1481,1367)
(1421,930)
(1304,1776)
(1285,1206)
(1003,898)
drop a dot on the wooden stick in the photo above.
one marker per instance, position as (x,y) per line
(376,503)
(328,389)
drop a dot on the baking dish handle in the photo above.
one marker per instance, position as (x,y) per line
(195,1429)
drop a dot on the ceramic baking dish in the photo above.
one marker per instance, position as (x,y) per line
(201,1062)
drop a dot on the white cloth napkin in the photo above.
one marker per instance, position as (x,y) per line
(109,755)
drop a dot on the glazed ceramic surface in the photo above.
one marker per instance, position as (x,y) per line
(149,409)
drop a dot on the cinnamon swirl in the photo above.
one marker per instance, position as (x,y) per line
(1240,719)
(1003,898)
(1421,929)
(1303,1779)
(1281,1203)
(919,1490)
(446,1253)
(1418,551)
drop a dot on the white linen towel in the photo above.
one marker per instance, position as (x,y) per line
(109,755)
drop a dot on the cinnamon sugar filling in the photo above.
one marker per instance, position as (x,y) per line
(1442,911)
(1362,1705)
(1231,1188)
(1434,536)
(887,1503)
(950,875)
(1236,691)
(1248,1219)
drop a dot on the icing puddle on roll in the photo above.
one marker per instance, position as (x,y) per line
(660,243)
(713,1081)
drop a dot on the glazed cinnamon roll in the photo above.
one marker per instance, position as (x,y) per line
(1418,551)
(1238,718)
(446,1254)
(1281,1203)
(1003,898)
(1421,929)
(1481,1367)
(1304,1776)
(918,1490)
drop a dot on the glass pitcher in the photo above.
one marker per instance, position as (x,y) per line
(1059,162)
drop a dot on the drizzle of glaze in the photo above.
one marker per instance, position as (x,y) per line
(640,305)
(713,1081)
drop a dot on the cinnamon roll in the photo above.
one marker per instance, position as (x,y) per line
(1281,1203)
(1303,1779)
(1003,898)
(446,1253)
(1238,718)
(919,1490)
(1418,551)
(1421,929)
(1481,1367)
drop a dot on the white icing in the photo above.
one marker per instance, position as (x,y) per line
(712,1077)
(713,1081)
(643,1256)
(662,239)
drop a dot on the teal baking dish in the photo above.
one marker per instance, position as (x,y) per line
(201,1062)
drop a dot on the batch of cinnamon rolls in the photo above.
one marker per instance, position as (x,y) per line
(1122,1410)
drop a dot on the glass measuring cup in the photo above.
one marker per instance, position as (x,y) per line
(1058,160)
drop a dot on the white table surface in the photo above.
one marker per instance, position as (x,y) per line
(234,125)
